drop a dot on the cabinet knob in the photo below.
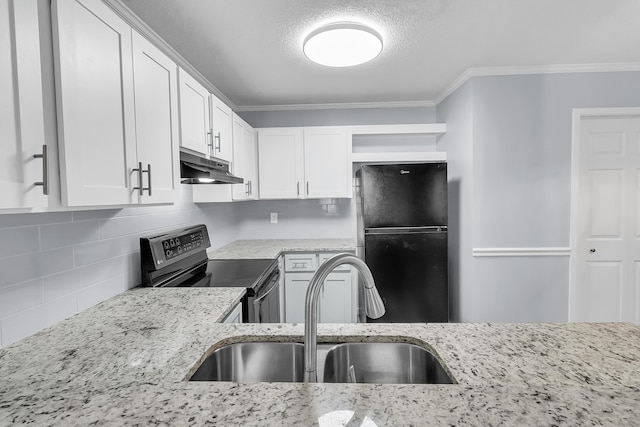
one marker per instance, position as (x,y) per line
(592,250)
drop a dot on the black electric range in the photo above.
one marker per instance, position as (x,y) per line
(178,258)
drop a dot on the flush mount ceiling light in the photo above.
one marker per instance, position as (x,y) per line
(342,44)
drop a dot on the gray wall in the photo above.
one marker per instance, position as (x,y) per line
(521,172)
(457,112)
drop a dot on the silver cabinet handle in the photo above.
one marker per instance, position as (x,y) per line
(219,144)
(45,170)
(148,172)
(140,187)
(307,188)
(248,190)
(298,188)
(140,171)
(250,187)
(210,145)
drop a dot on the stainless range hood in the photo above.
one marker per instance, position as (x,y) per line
(196,169)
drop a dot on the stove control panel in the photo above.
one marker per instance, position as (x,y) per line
(179,245)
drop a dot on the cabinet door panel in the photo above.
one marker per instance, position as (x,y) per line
(335,299)
(156,107)
(21,109)
(94,88)
(221,116)
(326,163)
(195,125)
(280,163)
(250,162)
(295,290)
(240,191)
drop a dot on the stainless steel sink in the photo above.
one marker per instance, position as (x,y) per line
(254,362)
(383,363)
(379,363)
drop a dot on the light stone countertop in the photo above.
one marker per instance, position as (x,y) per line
(124,362)
(272,248)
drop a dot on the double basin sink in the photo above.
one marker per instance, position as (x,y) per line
(352,362)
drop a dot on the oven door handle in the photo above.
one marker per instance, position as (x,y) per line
(275,279)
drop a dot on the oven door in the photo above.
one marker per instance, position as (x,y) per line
(264,305)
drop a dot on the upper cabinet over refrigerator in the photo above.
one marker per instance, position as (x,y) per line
(408,195)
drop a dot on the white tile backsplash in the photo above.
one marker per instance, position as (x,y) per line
(67,234)
(17,298)
(64,262)
(60,263)
(17,241)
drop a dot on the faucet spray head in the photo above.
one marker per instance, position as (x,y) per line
(373,305)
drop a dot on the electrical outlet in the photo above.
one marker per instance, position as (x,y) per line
(274,217)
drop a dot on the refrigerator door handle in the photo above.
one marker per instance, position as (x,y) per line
(406,230)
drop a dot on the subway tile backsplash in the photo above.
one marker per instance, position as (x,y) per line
(54,265)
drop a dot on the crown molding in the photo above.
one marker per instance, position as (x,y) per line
(140,26)
(336,106)
(523,70)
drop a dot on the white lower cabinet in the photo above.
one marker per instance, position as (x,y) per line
(337,300)
(235,316)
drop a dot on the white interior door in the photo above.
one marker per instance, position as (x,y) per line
(606,257)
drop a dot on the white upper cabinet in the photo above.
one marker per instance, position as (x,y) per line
(280,163)
(222,128)
(156,107)
(326,163)
(117,109)
(21,107)
(244,160)
(299,163)
(195,115)
(96,118)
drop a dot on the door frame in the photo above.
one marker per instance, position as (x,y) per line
(578,115)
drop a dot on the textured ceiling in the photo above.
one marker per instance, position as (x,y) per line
(251,50)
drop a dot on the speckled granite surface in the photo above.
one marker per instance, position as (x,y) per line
(271,248)
(124,361)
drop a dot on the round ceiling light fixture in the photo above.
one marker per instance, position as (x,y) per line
(342,44)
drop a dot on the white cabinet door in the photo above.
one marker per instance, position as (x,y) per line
(295,290)
(326,163)
(280,163)
(222,128)
(94,88)
(240,191)
(335,299)
(21,106)
(251,162)
(195,121)
(156,109)
(235,316)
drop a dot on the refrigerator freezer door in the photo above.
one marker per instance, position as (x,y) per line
(410,271)
(411,195)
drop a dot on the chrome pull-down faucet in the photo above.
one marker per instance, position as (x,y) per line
(373,306)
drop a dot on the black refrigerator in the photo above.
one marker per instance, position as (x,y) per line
(402,237)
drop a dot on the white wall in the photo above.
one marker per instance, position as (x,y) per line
(53,265)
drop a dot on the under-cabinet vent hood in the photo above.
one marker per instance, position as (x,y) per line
(196,169)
